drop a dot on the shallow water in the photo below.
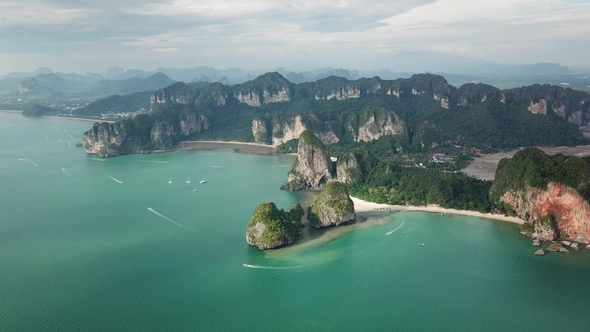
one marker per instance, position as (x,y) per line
(80,250)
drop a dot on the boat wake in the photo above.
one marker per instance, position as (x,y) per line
(20,159)
(250,266)
(63,169)
(153,161)
(393,230)
(112,178)
(170,220)
(217,166)
(97,159)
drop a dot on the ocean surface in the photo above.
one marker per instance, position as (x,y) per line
(81,251)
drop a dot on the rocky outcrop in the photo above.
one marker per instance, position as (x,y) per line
(106,139)
(540,252)
(539,107)
(557,247)
(379,122)
(259,130)
(346,92)
(570,210)
(346,167)
(285,131)
(193,123)
(271,228)
(251,98)
(313,166)
(265,89)
(177,93)
(542,229)
(332,207)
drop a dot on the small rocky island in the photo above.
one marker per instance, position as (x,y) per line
(271,228)
(332,207)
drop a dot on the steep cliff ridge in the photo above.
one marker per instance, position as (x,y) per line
(473,94)
(177,93)
(424,109)
(265,89)
(535,185)
(572,105)
(332,207)
(313,166)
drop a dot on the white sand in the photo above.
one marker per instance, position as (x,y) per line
(360,206)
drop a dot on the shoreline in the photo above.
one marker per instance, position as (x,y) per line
(240,147)
(364,206)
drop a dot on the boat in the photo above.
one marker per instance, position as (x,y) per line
(203,181)
(170,181)
(195,189)
(422,244)
(188,180)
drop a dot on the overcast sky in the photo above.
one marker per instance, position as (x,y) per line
(93,35)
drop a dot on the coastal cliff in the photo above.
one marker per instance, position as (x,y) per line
(313,166)
(549,192)
(423,111)
(332,207)
(271,228)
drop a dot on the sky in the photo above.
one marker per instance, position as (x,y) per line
(94,35)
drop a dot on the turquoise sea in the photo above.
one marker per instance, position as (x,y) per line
(80,251)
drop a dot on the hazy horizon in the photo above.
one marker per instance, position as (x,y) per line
(88,36)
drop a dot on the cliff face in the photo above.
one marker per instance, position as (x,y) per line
(346,165)
(313,166)
(379,123)
(572,105)
(177,93)
(332,207)
(287,130)
(106,139)
(571,211)
(265,89)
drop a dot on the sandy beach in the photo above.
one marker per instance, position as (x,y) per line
(244,147)
(361,206)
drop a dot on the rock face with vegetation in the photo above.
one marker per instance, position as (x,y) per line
(271,228)
(332,207)
(423,110)
(313,166)
(549,192)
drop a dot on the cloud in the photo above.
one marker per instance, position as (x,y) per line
(279,32)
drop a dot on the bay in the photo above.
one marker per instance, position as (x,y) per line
(79,250)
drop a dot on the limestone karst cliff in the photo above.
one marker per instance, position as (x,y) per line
(549,192)
(332,207)
(313,166)
(424,110)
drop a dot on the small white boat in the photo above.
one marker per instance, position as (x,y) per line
(195,189)
(188,180)
(170,181)
(422,244)
(203,181)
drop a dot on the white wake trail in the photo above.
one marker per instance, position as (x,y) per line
(28,160)
(97,159)
(153,161)
(393,230)
(170,220)
(250,266)
(112,178)
(68,173)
